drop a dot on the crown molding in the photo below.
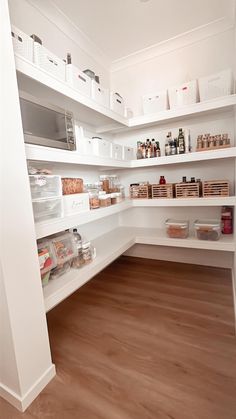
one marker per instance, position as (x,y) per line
(49,10)
(185,39)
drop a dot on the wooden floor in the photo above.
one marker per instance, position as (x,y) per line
(143,340)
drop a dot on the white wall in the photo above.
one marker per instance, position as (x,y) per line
(27,16)
(207,56)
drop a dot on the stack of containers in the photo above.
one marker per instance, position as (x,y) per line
(46,193)
(74,199)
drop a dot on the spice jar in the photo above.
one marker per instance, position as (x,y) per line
(87,252)
(162,180)
(105,200)
(116,197)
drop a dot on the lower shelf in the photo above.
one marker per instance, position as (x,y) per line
(110,246)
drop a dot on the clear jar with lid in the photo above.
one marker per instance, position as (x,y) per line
(94,198)
(105,200)
(114,183)
(87,252)
(116,197)
(78,261)
(105,181)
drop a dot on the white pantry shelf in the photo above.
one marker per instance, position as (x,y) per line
(40,84)
(55,155)
(195,156)
(47,154)
(46,228)
(110,246)
(174,115)
(185,202)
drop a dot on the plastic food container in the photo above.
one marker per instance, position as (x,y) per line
(47,260)
(116,198)
(45,186)
(72,185)
(47,209)
(64,248)
(94,199)
(105,200)
(207,229)
(177,229)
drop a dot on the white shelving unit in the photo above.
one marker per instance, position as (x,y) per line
(185,202)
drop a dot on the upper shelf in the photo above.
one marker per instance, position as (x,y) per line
(39,83)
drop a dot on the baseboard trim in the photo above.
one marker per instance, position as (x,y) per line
(21,403)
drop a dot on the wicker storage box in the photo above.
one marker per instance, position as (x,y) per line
(163,191)
(215,188)
(187,190)
(72,185)
(140,191)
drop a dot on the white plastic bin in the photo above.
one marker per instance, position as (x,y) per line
(128,153)
(22,44)
(100,95)
(46,209)
(185,94)
(116,151)
(76,203)
(45,186)
(49,62)
(101,148)
(85,146)
(78,80)
(117,103)
(216,85)
(155,103)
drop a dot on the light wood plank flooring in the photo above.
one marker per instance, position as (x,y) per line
(144,339)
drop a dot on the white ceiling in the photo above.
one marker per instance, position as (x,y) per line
(122,27)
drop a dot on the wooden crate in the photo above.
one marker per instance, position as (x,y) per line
(215,188)
(140,191)
(187,190)
(163,191)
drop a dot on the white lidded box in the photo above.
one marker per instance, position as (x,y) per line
(116,151)
(76,203)
(46,209)
(101,148)
(177,229)
(128,153)
(45,186)
(23,44)
(155,103)
(49,62)
(207,229)
(185,94)
(78,80)
(85,146)
(216,85)
(117,103)
(100,94)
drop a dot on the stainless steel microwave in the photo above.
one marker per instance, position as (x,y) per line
(47,126)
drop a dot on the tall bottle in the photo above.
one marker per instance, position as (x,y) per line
(187,141)
(153,148)
(139,150)
(180,142)
(167,144)
(158,150)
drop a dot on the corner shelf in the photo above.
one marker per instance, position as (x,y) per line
(110,246)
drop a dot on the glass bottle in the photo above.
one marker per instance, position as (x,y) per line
(181,142)
(139,150)
(162,180)
(158,150)
(167,144)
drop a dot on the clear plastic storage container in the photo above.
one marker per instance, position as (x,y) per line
(105,200)
(177,229)
(207,229)
(47,209)
(47,260)
(45,186)
(64,247)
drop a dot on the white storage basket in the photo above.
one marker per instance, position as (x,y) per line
(128,153)
(116,151)
(100,94)
(49,62)
(183,95)
(75,203)
(216,85)
(45,186)
(78,80)
(155,103)
(22,43)
(117,103)
(101,148)
(85,146)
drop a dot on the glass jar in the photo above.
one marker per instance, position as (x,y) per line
(116,197)
(105,181)
(87,252)
(94,199)
(78,261)
(105,200)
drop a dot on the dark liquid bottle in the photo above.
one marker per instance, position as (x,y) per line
(181,142)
